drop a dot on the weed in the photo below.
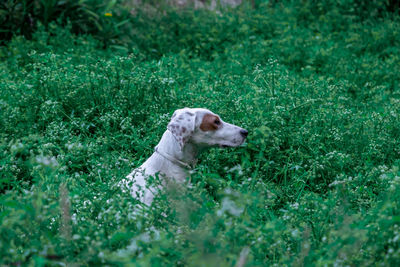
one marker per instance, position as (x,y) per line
(317,182)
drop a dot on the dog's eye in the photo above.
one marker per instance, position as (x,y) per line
(217,122)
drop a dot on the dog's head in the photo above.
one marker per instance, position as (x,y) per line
(204,128)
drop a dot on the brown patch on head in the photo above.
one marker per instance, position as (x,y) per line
(210,122)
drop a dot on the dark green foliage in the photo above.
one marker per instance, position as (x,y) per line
(85,16)
(317,182)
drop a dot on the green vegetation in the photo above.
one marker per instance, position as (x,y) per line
(84,99)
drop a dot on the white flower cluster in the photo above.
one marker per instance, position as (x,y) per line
(229,206)
(47,161)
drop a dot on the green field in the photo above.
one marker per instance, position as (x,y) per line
(84,101)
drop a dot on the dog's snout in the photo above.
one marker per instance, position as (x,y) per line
(244,132)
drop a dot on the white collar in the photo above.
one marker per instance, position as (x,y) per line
(173,160)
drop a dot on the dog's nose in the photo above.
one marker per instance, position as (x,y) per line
(244,133)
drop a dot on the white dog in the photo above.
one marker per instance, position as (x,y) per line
(189,131)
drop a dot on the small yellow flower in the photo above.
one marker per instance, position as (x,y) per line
(108,14)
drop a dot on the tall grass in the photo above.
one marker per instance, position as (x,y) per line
(316,184)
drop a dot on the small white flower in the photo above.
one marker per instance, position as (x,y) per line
(229,206)
(47,161)
(295,233)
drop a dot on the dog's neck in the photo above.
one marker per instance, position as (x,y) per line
(170,146)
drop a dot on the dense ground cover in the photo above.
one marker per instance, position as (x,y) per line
(318,181)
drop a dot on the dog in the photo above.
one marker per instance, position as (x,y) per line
(190,131)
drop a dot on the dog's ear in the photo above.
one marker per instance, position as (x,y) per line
(182,125)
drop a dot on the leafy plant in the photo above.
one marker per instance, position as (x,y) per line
(317,182)
(85,16)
